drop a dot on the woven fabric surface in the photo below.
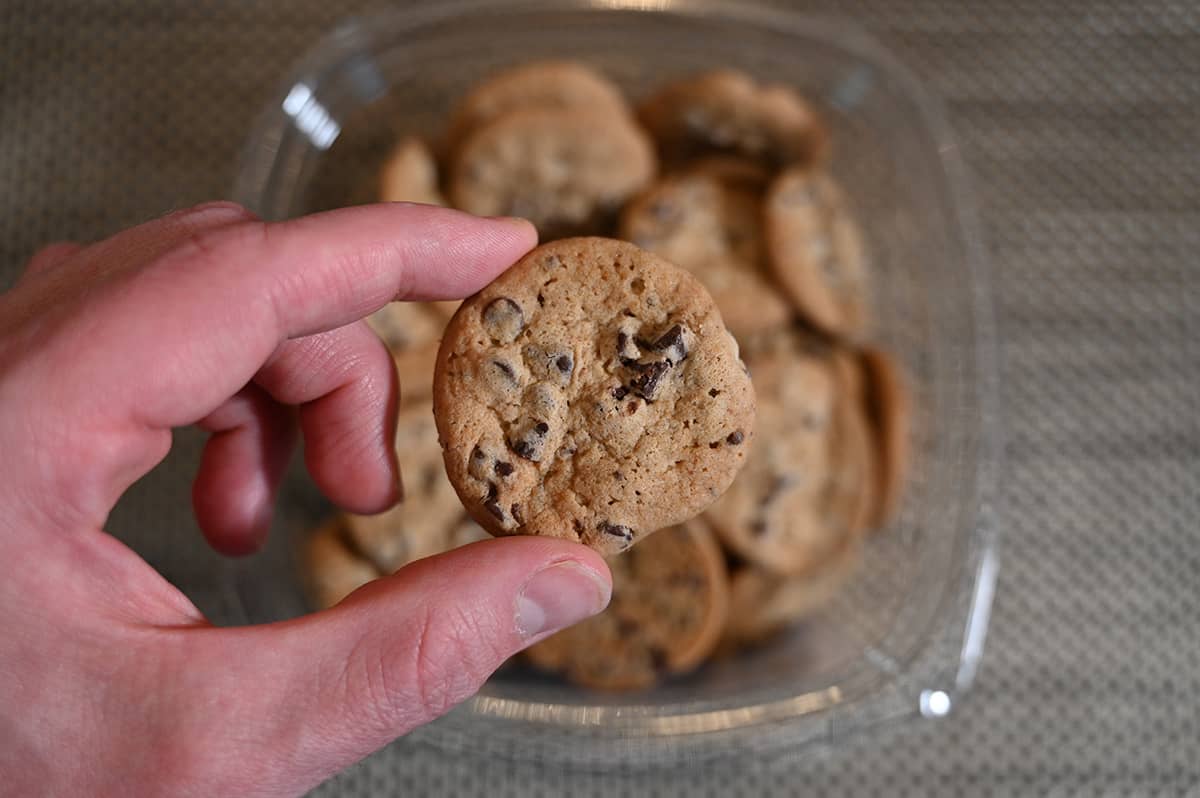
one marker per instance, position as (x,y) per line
(1079,121)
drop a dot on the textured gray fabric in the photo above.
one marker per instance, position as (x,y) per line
(1079,121)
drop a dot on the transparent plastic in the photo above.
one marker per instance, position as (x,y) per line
(903,640)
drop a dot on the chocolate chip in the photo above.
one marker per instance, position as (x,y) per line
(493,491)
(777,487)
(504,468)
(672,343)
(503,319)
(616,531)
(714,393)
(541,300)
(620,392)
(516,514)
(429,476)
(577,525)
(658,659)
(529,443)
(506,369)
(647,383)
(565,364)
(493,507)
(477,454)
(759,527)
(734,438)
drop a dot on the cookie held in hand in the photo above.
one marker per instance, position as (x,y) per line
(591,392)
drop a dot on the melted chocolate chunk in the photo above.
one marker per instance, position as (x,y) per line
(516,513)
(565,364)
(530,442)
(503,468)
(672,344)
(734,438)
(616,530)
(647,383)
(506,369)
(503,319)
(493,507)
(620,392)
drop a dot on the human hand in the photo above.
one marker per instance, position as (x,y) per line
(111,681)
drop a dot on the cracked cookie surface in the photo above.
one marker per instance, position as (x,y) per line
(592,393)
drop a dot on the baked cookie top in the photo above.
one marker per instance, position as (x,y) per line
(592,393)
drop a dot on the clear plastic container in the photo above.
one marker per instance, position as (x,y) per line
(903,640)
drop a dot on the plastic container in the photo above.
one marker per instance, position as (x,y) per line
(903,640)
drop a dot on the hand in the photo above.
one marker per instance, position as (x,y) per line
(111,681)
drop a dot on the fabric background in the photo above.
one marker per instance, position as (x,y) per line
(1080,123)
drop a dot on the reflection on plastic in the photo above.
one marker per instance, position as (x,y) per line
(311,117)
(935,703)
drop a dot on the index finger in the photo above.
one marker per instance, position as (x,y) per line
(162,345)
(189,330)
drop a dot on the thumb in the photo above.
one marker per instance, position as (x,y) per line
(330,688)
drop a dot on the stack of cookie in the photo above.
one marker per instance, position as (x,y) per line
(726,178)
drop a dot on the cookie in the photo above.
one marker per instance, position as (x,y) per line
(403,325)
(802,490)
(410,175)
(541,84)
(414,366)
(591,393)
(889,415)
(464,532)
(333,569)
(727,111)
(816,252)
(737,171)
(421,523)
(669,604)
(567,171)
(762,603)
(712,229)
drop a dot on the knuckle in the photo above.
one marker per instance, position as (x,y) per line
(442,659)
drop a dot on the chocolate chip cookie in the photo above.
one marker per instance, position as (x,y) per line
(540,84)
(761,602)
(591,393)
(410,175)
(889,413)
(803,490)
(816,252)
(404,325)
(727,111)
(334,569)
(732,170)
(669,602)
(420,525)
(566,170)
(712,229)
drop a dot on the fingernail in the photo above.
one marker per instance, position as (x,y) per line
(514,221)
(558,596)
